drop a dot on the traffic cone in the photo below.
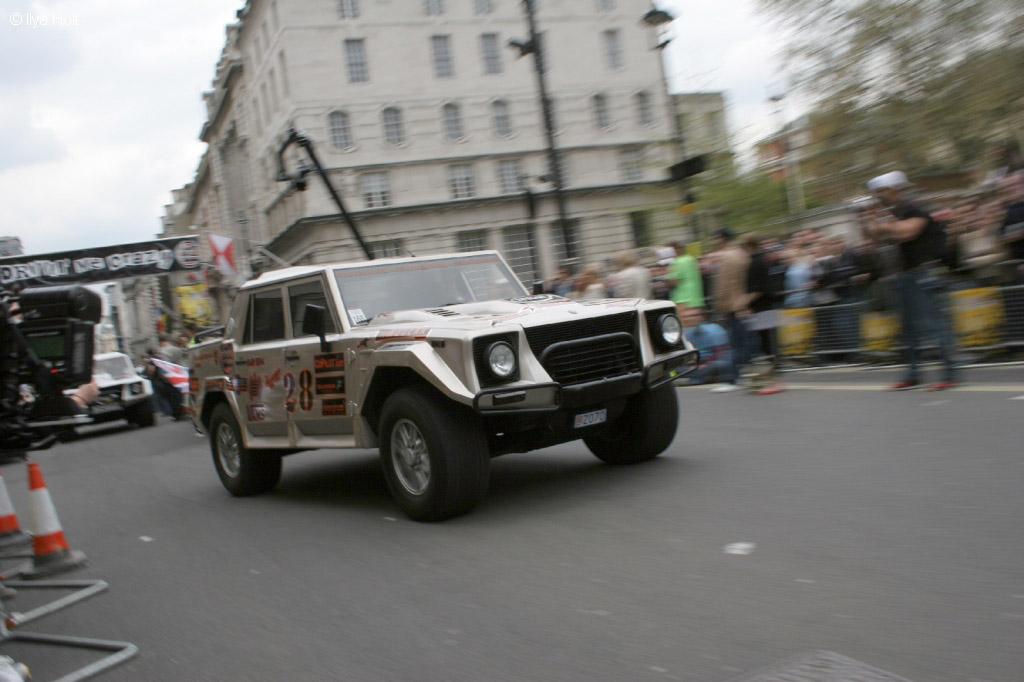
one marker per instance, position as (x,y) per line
(49,548)
(11,534)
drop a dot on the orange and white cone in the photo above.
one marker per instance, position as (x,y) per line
(11,534)
(50,553)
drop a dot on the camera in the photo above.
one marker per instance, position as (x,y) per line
(46,346)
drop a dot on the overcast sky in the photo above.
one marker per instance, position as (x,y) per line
(100,107)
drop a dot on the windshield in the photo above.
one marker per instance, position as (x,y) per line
(375,289)
(113,369)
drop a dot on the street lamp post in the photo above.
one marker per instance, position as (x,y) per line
(657,19)
(794,186)
(535,47)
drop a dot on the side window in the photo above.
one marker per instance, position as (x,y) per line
(266,318)
(301,295)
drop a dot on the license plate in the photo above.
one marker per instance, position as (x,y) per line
(590,418)
(104,408)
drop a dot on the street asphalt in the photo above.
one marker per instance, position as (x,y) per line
(884,527)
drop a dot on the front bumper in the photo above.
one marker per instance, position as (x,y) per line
(552,397)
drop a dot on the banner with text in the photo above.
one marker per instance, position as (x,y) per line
(103,263)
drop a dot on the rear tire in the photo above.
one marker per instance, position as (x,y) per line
(242,470)
(142,414)
(643,431)
(434,454)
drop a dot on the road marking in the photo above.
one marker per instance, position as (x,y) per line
(1019,397)
(740,548)
(936,402)
(821,666)
(973,388)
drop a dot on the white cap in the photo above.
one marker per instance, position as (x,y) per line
(892,180)
(666,255)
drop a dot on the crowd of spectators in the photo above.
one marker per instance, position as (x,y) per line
(741,282)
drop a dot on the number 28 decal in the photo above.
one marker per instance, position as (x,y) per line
(305,386)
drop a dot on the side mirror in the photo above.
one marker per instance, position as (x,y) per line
(314,321)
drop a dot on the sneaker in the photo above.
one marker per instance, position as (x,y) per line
(770,390)
(943,386)
(725,388)
(904,386)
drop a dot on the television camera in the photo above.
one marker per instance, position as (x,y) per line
(46,346)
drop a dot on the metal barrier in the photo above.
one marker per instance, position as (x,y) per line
(982,318)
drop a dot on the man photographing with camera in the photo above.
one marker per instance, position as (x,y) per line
(920,285)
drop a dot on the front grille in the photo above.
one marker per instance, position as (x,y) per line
(590,349)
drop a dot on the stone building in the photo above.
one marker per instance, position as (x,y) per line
(430,128)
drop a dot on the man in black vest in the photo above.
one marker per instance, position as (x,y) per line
(920,285)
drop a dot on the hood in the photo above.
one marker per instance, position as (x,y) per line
(527,311)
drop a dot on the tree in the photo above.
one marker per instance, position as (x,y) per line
(744,202)
(924,84)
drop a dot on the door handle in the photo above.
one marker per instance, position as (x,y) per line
(291,356)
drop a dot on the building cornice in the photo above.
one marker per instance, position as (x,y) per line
(291,231)
(233,72)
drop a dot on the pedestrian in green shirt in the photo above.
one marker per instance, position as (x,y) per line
(684,274)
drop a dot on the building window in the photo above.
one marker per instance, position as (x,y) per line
(521,253)
(471,240)
(348,9)
(272,77)
(264,99)
(461,180)
(510,176)
(640,222)
(256,113)
(502,118)
(264,33)
(644,110)
(376,189)
(433,8)
(563,164)
(565,242)
(491,53)
(605,5)
(631,165)
(394,128)
(341,129)
(441,51)
(284,74)
(451,122)
(387,248)
(355,57)
(612,49)
(483,6)
(602,115)
(714,123)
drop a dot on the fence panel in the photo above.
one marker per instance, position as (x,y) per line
(982,317)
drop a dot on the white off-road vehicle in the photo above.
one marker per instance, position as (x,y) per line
(441,362)
(124,394)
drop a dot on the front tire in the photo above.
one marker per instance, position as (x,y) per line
(643,431)
(434,454)
(242,470)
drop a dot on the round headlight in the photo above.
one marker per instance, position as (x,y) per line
(671,330)
(501,359)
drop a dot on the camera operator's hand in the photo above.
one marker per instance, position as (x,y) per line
(86,393)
